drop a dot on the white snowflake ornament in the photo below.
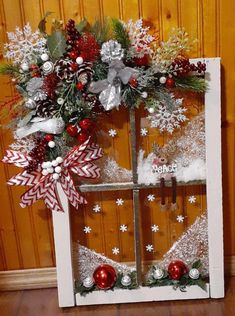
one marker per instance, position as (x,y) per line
(97,208)
(24,46)
(180,218)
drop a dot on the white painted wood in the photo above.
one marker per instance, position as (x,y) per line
(142,294)
(63,251)
(214,178)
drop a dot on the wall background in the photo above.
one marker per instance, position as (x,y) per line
(26,239)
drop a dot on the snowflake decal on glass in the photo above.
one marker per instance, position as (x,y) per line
(139,38)
(115,251)
(119,201)
(192,199)
(143,132)
(154,228)
(180,218)
(151,197)
(123,228)
(97,208)
(149,248)
(112,132)
(168,115)
(24,46)
(87,229)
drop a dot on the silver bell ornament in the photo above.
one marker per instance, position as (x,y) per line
(88,282)
(30,104)
(194,274)
(126,280)
(158,274)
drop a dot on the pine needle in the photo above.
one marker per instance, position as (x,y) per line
(101,30)
(192,83)
(8,69)
(120,34)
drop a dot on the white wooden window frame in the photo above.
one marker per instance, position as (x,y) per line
(215,288)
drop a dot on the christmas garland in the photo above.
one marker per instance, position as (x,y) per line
(67,78)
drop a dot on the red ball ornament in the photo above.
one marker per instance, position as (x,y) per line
(49,137)
(141,61)
(73,55)
(72,130)
(105,277)
(170,83)
(80,86)
(86,124)
(177,269)
(133,82)
(82,137)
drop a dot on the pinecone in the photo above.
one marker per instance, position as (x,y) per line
(85,73)
(63,69)
(46,108)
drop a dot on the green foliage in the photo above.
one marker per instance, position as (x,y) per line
(191,83)
(8,69)
(120,34)
(100,71)
(101,30)
(56,43)
(81,25)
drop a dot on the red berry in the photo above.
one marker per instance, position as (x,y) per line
(74,67)
(35,74)
(80,86)
(86,124)
(73,55)
(82,137)
(72,130)
(49,137)
(133,82)
(170,83)
(142,61)
(34,67)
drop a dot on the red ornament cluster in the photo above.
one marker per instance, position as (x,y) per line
(73,35)
(82,131)
(37,154)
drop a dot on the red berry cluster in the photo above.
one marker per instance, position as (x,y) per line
(83,132)
(89,48)
(49,85)
(73,35)
(37,154)
(182,66)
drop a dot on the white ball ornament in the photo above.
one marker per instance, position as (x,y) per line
(158,274)
(55,176)
(59,159)
(126,280)
(88,282)
(30,104)
(24,67)
(79,60)
(58,169)
(50,170)
(162,80)
(44,165)
(47,67)
(151,110)
(44,172)
(54,163)
(51,144)
(44,57)
(144,94)
(194,274)
(48,164)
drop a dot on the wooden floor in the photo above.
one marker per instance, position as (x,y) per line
(44,303)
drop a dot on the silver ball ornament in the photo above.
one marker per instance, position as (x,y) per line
(44,57)
(88,282)
(158,274)
(162,80)
(194,274)
(24,67)
(126,280)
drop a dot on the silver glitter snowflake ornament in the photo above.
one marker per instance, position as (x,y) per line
(24,46)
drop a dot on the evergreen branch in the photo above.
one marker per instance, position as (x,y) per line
(120,34)
(101,30)
(8,69)
(191,83)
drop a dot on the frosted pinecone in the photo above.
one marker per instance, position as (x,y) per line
(63,69)
(85,73)
(46,108)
